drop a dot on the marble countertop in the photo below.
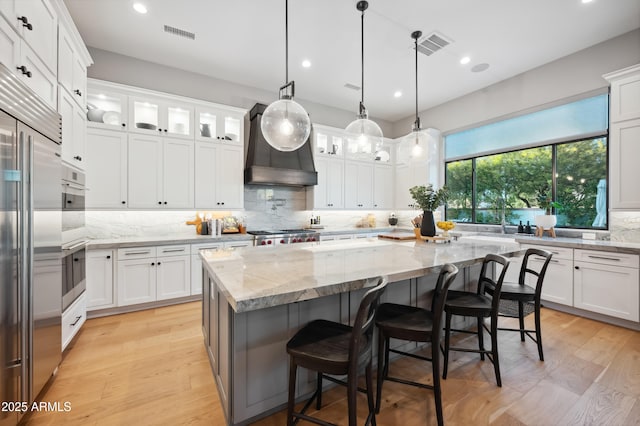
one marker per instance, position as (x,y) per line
(156,240)
(257,277)
(612,246)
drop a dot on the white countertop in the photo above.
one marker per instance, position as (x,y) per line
(257,277)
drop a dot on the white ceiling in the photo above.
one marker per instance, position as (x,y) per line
(243,41)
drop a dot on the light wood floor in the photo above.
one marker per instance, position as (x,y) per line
(151,368)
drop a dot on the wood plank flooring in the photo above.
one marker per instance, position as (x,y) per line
(151,368)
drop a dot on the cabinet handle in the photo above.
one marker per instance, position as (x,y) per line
(603,258)
(576,267)
(77,92)
(25,23)
(108,257)
(131,253)
(76,321)
(24,71)
(77,157)
(173,250)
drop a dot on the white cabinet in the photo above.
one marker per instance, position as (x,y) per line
(557,286)
(161,116)
(160,172)
(329,192)
(383,184)
(196,265)
(100,287)
(624,137)
(72,71)
(74,127)
(73,319)
(107,169)
(35,74)
(358,188)
(37,23)
(111,102)
(607,283)
(147,274)
(219,182)
(9,45)
(624,151)
(407,176)
(220,125)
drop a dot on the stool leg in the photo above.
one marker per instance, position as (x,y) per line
(538,330)
(352,391)
(319,391)
(437,390)
(381,368)
(480,338)
(494,348)
(369,380)
(292,391)
(521,319)
(447,332)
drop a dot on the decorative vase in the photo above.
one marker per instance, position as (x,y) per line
(545,221)
(428,226)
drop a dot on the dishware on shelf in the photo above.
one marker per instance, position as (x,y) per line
(205,130)
(111,117)
(94,113)
(148,126)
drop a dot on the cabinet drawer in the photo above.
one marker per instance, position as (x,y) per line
(607,258)
(558,252)
(178,250)
(136,253)
(195,248)
(73,318)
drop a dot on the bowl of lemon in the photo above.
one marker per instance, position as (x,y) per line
(446,226)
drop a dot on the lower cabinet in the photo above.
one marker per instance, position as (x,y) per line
(557,286)
(73,318)
(607,283)
(147,274)
(196,265)
(100,279)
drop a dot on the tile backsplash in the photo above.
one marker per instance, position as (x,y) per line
(625,226)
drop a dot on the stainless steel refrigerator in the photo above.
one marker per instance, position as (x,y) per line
(30,244)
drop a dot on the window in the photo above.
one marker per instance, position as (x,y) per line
(501,171)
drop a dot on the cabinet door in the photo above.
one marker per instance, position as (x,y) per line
(557,286)
(136,281)
(79,137)
(609,290)
(317,195)
(358,185)
(383,187)
(112,102)
(335,184)
(624,151)
(9,46)
(625,96)
(144,115)
(173,277)
(219,125)
(43,37)
(37,76)
(205,175)
(144,171)
(66,52)
(229,178)
(178,174)
(100,279)
(351,185)
(8,9)
(403,183)
(66,110)
(106,167)
(79,85)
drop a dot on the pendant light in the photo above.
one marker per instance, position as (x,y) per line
(285,124)
(366,132)
(418,138)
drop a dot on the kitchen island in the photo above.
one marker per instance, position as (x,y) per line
(256,298)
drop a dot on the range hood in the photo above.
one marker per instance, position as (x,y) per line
(268,166)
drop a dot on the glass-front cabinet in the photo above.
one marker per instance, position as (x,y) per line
(327,142)
(161,116)
(219,125)
(106,108)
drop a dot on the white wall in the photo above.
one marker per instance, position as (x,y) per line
(564,78)
(123,69)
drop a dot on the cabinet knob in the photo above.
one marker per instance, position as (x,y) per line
(77,92)
(108,257)
(165,130)
(24,71)
(159,263)
(77,157)
(222,203)
(160,202)
(153,264)
(160,130)
(165,202)
(576,267)
(124,125)
(25,23)
(124,202)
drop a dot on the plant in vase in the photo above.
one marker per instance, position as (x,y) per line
(545,202)
(428,200)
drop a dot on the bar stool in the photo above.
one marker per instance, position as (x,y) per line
(464,303)
(416,325)
(523,293)
(328,347)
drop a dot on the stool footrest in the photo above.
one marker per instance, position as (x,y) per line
(423,358)
(408,382)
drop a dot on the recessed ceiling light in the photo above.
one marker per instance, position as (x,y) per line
(465,60)
(102,96)
(587,1)
(306,63)
(140,8)
(397,94)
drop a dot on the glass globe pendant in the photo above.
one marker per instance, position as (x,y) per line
(285,124)
(366,132)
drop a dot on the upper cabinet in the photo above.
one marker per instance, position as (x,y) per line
(37,23)
(161,116)
(106,107)
(215,124)
(72,68)
(624,138)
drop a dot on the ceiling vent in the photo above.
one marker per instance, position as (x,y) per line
(352,86)
(178,32)
(433,42)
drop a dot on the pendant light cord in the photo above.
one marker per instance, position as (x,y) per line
(362,61)
(286,41)
(416,48)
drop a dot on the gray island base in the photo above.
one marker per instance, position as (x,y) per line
(255,299)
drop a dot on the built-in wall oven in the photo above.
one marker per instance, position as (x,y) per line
(73,273)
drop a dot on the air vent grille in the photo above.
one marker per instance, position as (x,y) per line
(352,86)
(178,32)
(432,43)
